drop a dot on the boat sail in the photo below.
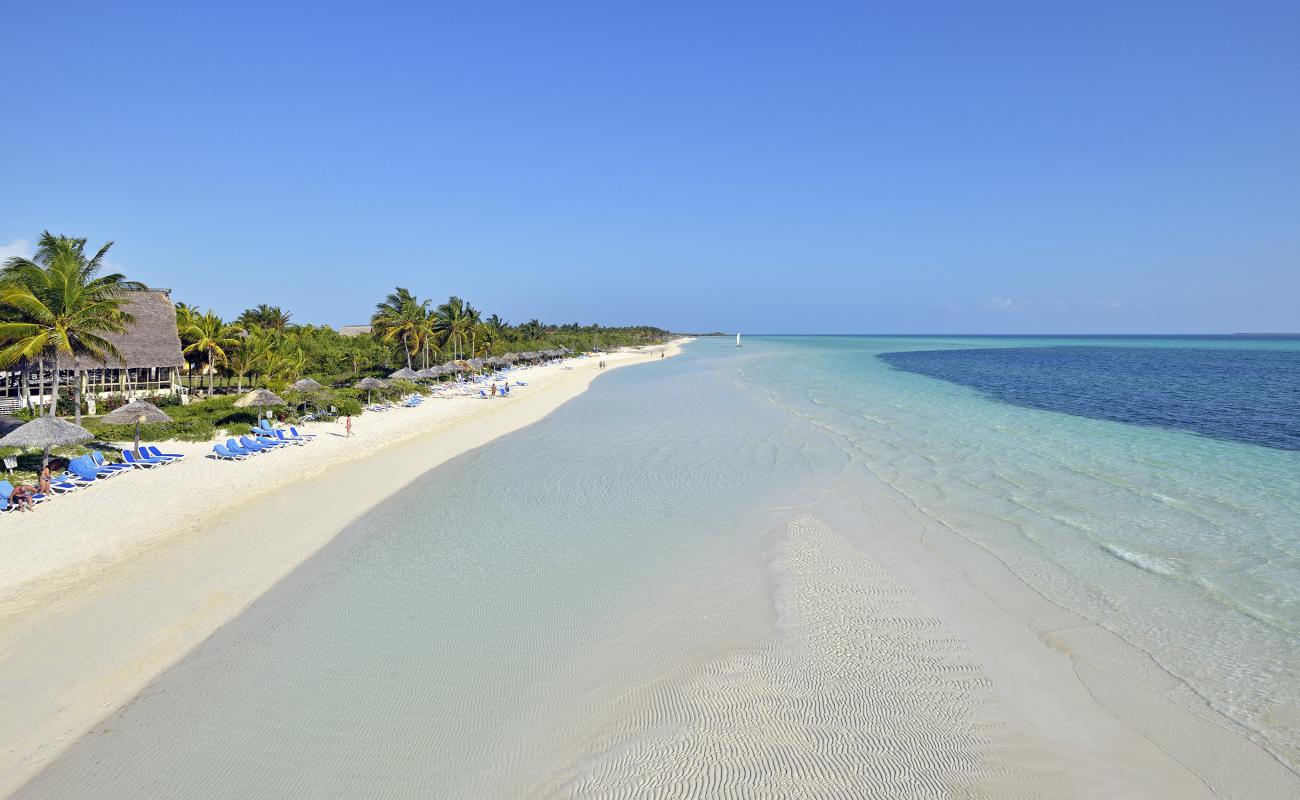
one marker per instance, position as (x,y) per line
(738,340)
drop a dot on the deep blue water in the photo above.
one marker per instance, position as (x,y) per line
(1244,395)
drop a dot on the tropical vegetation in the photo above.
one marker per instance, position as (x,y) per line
(57,307)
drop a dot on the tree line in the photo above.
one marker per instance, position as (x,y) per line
(57,307)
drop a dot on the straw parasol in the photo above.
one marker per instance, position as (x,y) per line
(137,411)
(405,373)
(306,385)
(511,357)
(46,432)
(368,384)
(259,398)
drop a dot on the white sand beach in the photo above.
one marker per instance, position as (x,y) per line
(102,589)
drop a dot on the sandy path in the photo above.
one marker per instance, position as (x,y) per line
(103,589)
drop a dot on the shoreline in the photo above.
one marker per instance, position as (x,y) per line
(82,624)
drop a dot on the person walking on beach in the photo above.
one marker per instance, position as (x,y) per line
(347,426)
(43,481)
(492,390)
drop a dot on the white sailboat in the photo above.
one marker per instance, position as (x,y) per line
(738,340)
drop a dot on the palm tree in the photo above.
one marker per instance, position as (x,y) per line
(472,320)
(400,315)
(211,336)
(252,353)
(63,308)
(428,334)
(452,323)
(185,316)
(269,317)
(532,330)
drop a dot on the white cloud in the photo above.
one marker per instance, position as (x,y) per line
(1003,303)
(17,247)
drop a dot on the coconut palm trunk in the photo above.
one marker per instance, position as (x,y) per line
(76,387)
(212,363)
(54,387)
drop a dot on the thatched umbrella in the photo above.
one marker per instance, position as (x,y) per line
(511,357)
(305,386)
(497,361)
(405,373)
(46,432)
(368,384)
(260,398)
(138,411)
(428,373)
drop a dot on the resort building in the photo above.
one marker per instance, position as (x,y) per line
(152,359)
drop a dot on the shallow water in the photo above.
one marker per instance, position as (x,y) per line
(605,602)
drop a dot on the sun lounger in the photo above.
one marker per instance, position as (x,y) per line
(287,439)
(260,443)
(252,446)
(62,484)
(307,436)
(143,462)
(100,463)
(85,465)
(153,451)
(238,449)
(220,451)
(79,472)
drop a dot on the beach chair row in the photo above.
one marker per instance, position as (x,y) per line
(414,401)
(90,469)
(262,438)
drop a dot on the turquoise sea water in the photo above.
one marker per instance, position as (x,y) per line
(492,630)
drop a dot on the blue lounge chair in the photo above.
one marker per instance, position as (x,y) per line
(255,446)
(143,462)
(220,451)
(88,466)
(267,440)
(153,451)
(101,463)
(284,437)
(250,446)
(306,436)
(62,484)
(238,449)
(69,477)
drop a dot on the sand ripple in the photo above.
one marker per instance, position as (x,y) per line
(860,693)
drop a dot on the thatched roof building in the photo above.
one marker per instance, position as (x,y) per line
(354,330)
(152,340)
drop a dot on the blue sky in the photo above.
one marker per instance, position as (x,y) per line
(796,167)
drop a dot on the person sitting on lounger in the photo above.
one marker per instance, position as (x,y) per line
(21,498)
